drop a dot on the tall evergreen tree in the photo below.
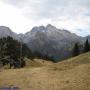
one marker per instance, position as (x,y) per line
(76,50)
(86,46)
(10,52)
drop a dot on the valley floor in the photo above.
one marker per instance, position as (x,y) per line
(72,74)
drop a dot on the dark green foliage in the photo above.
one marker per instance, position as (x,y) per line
(41,56)
(13,52)
(23,64)
(26,52)
(86,46)
(76,50)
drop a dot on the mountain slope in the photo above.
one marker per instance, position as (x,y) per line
(52,42)
(6,31)
(72,74)
(47,41)
(88,37)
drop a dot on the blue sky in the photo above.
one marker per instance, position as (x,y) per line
(22,15)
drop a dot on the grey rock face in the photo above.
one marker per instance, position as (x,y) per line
(51,41)
(5,31)
(47,40)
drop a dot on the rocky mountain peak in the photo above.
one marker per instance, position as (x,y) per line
(4,29)
(50,27)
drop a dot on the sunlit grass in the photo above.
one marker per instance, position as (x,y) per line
(72,74)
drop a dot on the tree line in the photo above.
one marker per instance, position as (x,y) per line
(77,51)
(12,52)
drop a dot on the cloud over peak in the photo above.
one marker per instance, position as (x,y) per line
(68,14)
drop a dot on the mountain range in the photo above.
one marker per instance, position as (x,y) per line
(49,40)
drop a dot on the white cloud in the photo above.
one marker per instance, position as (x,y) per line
(73,15)
(11,16)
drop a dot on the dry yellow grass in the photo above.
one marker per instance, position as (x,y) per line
(72,74)
(37,63)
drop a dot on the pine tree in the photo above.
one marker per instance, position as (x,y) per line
(86,46)
(10,52)
(76,50)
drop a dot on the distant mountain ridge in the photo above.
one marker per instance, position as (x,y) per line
(6,31)
(49,40)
